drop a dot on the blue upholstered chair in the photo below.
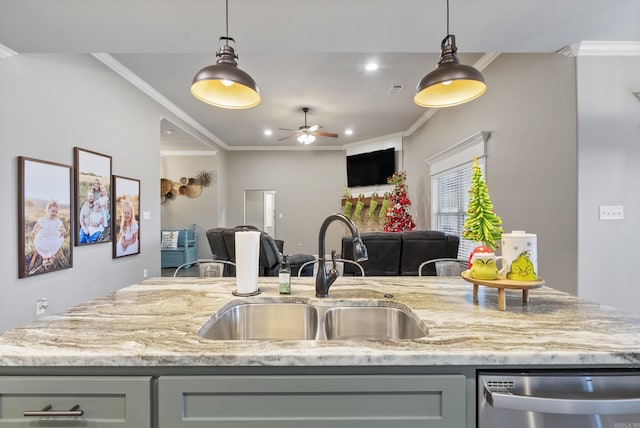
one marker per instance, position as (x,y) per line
(186,250)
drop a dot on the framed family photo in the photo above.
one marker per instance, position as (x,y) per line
(92,186)
(45,206)
(126,216)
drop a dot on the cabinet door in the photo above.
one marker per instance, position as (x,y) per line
(122,402)
(374,401)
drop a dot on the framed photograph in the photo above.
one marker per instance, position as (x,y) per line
(126,216)
(92,197)
(45,207)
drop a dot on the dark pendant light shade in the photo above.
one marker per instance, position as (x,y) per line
(224,84)
(451,83)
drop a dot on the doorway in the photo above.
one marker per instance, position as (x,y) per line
(260,210)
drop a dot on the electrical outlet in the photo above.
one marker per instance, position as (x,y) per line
(611,212)
(41,306)
(145,273)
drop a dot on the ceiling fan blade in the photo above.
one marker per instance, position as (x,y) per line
(325,134)
(287,129)
(288,136)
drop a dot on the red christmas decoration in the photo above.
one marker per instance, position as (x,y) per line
(398,217)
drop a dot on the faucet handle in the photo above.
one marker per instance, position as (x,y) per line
(333,259)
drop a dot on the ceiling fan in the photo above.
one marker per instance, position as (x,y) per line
(307,134)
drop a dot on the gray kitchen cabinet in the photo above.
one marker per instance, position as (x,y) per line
(331,401)
(61,401)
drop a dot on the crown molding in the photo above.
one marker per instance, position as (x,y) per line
(596,48)
(300,148)
(136,81)
(5,52)
(188,153)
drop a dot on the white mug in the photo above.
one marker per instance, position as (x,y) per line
(520,250)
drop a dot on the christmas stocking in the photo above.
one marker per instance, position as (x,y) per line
(348,206)
(359,208)
(384,207)
(372,206)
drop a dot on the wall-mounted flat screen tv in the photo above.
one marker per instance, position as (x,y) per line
(368,169)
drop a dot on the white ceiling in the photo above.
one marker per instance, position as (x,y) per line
(304,52)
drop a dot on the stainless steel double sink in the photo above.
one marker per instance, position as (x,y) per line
(309,321)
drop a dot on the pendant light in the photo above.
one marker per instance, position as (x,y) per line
(451,83)
(224,84)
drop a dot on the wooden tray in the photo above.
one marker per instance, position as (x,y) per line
(501,285)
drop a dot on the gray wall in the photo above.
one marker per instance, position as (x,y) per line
(531,166)
(182,211)
(308,187)
(49,104)
(609,174)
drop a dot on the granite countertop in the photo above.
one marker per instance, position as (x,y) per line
(155,323)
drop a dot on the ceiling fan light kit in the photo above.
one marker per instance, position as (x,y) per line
(307,134)
(306,139)
(451,83)
(224,84)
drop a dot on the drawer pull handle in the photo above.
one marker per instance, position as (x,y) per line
(46,411)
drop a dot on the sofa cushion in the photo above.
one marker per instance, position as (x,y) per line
(270,256)
(384,249)
(297,260)
(219,249)
(421,245)
(216,242)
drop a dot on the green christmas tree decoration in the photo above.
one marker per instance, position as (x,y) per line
(482,224)
(398,217)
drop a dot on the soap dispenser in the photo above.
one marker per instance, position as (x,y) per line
(284,276)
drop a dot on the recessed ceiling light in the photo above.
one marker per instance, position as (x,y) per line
(268,132)
(372,66)
(348,131)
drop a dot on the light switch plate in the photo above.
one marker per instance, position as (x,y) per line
(611,212)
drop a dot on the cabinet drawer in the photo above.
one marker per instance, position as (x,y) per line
(102,401)
(344,401)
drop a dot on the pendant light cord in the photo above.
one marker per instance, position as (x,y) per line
(447,17)
(227,19)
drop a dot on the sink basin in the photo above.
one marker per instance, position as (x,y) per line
(370,323)
(304,321)
(268,321)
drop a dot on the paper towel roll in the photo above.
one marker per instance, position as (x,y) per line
(247,255)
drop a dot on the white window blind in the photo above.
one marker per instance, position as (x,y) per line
(450,182)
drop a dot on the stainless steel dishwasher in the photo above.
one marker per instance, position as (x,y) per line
(599,399)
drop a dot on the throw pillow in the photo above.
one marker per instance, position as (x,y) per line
(170,238)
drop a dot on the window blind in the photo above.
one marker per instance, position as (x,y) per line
(449,195)
(450,183)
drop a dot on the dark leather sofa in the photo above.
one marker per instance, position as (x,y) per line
(223,246)
(400,253)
